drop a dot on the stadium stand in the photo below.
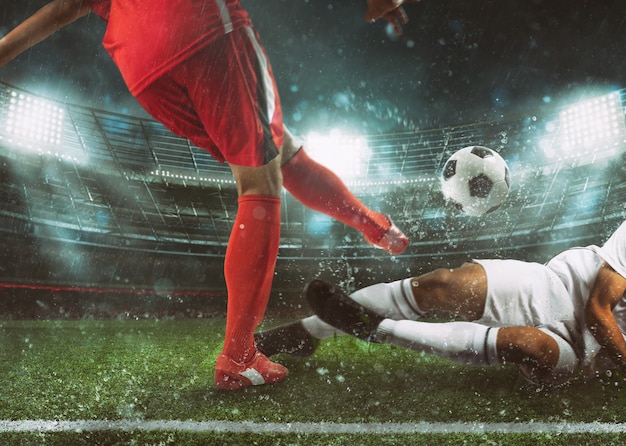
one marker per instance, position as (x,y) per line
(94,199)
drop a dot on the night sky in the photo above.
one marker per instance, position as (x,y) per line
(457,62)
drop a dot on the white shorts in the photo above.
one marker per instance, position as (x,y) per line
(530,294)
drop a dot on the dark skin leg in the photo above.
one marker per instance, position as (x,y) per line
(534,351)
(462,292)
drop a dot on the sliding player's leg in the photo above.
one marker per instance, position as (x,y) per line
(301,338)
(460,292)
(542,355)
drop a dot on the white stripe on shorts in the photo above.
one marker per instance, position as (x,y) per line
(268,85)
(224,14)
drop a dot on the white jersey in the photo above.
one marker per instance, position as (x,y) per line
(553,296)
(613,252)
(578,268)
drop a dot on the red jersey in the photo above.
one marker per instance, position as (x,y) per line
(146,38)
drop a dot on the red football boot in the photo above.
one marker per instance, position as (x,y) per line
(231,375)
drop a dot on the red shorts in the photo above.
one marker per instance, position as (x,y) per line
(223,99)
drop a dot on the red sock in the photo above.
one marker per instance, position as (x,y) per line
(320,189)
(249,270)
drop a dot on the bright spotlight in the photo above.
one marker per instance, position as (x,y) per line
(346,155)
(593,123)
(33,122)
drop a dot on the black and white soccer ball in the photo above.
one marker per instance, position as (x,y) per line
(475,180)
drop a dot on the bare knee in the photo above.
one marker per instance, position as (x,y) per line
(535,352)
(429,283)
(262,180)
(291,146)
(460,291)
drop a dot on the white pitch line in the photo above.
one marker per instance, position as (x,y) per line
(307,428)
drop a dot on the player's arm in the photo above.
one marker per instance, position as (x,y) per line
(390,10)
(39,26)
(606,292)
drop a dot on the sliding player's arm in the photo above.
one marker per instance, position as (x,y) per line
(39,26)
(606,292)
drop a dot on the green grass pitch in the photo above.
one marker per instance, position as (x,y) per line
(162,370)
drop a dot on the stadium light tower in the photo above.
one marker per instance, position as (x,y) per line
(346,155)
(592,124)
(32,122)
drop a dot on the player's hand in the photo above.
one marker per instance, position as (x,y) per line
(390,10)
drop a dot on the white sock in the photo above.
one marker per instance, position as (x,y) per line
(393,300)
(465,343)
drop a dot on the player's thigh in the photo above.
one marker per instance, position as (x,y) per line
(460,291)
(261,180)
(540,354)
(527,345)
(233,91)
(291,146)
(168,102)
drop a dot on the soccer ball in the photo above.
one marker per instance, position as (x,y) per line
(475,180)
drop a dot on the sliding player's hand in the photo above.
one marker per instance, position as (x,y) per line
(390,10)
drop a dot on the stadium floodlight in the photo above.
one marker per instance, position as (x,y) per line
(592,124)
(345,154)
(33,122)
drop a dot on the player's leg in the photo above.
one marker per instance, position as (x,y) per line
(249,270)
(320,189)
(541,355)
(459,292)
(464,342)
(300,338)
(237,117)
(248,128)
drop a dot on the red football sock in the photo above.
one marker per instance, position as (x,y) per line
(249,270)
(320,189)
